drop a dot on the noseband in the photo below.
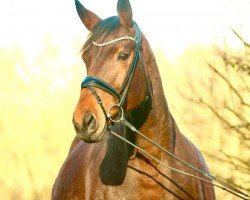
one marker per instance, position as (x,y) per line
(92,82)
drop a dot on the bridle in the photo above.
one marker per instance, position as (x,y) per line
(92,82)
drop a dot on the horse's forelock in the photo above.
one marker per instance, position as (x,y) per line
(102,29)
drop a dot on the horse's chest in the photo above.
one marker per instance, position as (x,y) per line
(140,180)
(139,183)
(131,189)
(147,183)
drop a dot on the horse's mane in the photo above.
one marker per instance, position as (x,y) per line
(102,29)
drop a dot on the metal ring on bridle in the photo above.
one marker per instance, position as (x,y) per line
(119,116)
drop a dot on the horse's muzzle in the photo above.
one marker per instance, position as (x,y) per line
(88,129)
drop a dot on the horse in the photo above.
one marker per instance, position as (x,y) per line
(121,95)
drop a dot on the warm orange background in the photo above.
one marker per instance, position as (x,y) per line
(41,71)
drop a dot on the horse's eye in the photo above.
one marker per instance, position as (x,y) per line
(123,56)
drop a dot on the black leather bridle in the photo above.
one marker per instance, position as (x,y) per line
(92,82)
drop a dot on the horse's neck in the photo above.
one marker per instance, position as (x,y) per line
(159,125)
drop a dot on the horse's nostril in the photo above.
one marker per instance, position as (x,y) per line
(90,123)
(89,119)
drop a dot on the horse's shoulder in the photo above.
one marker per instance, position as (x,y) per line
(189,151)
(194,157)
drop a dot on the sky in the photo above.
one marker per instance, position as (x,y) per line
(170,25)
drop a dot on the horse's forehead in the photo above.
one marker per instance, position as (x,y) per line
(120,31)
(125,30)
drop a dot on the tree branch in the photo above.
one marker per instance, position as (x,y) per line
(229,84)
(241,39)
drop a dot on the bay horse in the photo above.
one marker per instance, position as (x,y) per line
(123,82)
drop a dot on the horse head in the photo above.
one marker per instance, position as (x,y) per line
(116,77)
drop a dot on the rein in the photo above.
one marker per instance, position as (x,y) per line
(92,82)
(222,184)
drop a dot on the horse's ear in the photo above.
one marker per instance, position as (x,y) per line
(125,13)
(89,19)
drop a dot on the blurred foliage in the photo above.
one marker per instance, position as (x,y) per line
(37,100)
(38,96)
(220,90)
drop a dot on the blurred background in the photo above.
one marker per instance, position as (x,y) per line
(203,52)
